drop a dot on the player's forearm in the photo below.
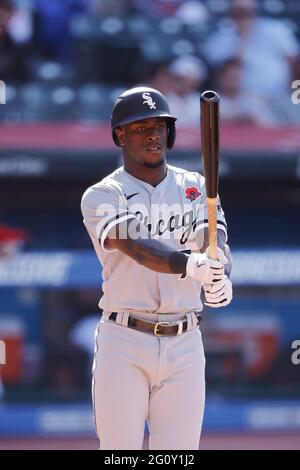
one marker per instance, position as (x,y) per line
(153,255)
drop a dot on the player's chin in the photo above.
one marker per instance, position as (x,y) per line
(154,164)
(154,159)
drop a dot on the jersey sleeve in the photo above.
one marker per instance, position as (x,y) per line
(103,209)
(202,212)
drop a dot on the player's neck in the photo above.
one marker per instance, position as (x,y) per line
(151,176)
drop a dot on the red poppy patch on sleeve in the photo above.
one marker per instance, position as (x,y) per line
(192,193)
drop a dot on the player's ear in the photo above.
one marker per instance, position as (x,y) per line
(120,133)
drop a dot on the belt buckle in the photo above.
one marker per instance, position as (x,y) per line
(157,325)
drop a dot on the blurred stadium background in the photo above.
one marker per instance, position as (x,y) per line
(63,63)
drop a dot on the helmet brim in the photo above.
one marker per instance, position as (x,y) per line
(142,117)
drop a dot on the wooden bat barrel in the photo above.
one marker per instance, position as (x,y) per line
(210,130)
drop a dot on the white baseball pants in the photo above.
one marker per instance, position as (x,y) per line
(138,376)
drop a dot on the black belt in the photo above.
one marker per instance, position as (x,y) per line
(161,328)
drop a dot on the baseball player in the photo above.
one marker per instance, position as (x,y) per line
(148,222)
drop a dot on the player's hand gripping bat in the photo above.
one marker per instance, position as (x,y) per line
(210,125)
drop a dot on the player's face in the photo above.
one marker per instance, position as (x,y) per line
(145,141)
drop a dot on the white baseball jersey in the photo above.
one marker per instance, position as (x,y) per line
(173,212)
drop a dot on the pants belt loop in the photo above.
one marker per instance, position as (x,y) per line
(125,318)
(194,320)
(180,327)
(119,318)
(189,321)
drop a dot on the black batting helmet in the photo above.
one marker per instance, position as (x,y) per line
(142,103)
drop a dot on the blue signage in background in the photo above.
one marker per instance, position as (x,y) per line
(81,268)
(57,269)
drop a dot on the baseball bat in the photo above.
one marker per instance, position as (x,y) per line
(210,129)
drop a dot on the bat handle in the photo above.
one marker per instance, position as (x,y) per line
(212,227)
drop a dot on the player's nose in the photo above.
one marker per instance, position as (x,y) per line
(153,137)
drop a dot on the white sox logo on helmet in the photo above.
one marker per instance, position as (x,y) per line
(148,100)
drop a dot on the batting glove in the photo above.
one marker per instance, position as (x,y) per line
(220,255)
(218,294)
(204,269)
